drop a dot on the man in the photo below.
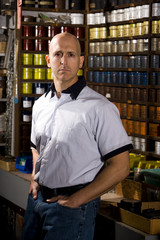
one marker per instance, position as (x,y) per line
(75,131)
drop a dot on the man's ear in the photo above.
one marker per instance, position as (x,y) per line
(81,61)
(48,60)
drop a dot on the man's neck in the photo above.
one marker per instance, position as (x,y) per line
(61,86)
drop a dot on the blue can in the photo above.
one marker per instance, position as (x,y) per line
(108,77)
(144,78)
(90,76)
(125,78)
(153,78)
(138,78)
(103,77)
(120,77)
(131,78)
(114,76)
(96,76)
(158,78)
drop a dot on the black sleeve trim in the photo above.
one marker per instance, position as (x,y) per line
(33,145)
(117,151)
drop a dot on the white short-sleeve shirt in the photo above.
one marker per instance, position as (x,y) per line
(75,136)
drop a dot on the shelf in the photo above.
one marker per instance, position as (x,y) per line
(118,69)
(51,24)
(138,20)
(121,54)
(36,81)
(3,99)
(116,85)
(2,144)
(146,36)
(32,9)
(153,154)
(130,5)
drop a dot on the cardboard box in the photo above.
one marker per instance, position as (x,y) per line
(3,46)
(150,226)
(131,189)
(7,165)
(138,191)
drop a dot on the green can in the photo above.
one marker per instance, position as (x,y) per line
(27,59)
(27,88)
(40,73)
(27,73)
(40,59)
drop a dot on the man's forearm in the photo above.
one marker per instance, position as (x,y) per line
(116,170)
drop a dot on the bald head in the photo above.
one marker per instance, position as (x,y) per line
(67,37)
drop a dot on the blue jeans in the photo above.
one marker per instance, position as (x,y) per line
(52,221)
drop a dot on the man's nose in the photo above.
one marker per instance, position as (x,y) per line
(63,59)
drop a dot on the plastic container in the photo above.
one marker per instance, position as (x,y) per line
(155,9)
(152,176)
(24,164)
(77,18)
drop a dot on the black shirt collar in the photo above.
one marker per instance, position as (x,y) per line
(74,90)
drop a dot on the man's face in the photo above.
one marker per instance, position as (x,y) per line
(64,59)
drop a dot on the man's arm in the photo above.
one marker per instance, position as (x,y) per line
(114,172)
(34,185)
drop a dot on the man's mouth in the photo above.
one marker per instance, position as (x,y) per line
(64,70)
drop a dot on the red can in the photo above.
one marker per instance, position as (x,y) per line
(66,29)
(79,32)
(41,45)
(27,31)
(28,44)
(40,31)
(52,31)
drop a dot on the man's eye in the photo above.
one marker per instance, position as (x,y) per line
(71,55)
(58,54)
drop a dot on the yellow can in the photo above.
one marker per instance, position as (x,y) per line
(126,30)
(80,72)
(27,88)
(49,74)
(113,31)
(103,32)
(27,73)
(94,33)
(120,31)
(155,27)
(132,30)
(39,73)
(139,29)
(27,59)
(145,27)
(39,59)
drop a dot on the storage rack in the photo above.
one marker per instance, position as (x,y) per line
(137,101)
(128,95)
(23,128)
